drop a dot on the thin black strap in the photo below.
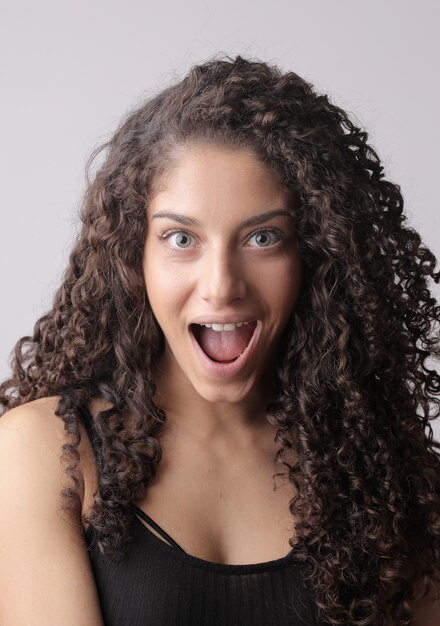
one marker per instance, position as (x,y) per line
(89,426)
(160,530)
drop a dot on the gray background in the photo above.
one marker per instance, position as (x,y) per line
(70,71)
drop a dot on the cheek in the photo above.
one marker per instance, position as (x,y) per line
(165,288)
(282,282)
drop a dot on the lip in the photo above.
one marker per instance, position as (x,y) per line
(227,370)
(223,319)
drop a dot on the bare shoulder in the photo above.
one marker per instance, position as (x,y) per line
(33,414)
(40,538)
(34,425)
(33,431)
(34,419)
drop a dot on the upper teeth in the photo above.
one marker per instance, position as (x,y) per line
(224,326)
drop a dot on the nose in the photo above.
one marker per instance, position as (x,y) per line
(221,279)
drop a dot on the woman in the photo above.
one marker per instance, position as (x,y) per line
(244,297)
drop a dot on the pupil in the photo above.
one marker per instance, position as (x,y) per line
(184,237)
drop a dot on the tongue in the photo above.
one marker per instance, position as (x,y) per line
(224,345)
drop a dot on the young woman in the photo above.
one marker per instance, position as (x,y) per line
(224,418)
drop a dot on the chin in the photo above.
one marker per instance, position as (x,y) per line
(231,394)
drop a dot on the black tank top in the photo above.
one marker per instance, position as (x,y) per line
(158,584)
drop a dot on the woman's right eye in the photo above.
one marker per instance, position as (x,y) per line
(185,236)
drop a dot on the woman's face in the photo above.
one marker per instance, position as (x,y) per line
(204,261)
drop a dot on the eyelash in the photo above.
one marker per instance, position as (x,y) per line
(275,231)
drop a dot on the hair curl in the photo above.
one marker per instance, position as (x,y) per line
(354,390)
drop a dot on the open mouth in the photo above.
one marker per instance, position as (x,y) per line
(223,346)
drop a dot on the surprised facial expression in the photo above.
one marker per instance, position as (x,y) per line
(221,248)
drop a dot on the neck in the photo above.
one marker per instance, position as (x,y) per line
(191,415)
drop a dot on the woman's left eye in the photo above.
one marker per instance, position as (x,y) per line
(263,231)
(273,231)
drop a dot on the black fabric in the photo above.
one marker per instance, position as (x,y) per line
(157,584)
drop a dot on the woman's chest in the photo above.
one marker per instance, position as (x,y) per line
(234,512)
(225,508)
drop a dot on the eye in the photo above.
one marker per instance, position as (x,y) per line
(273,232)
(183,237)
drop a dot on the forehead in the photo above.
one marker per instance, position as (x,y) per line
(215,178)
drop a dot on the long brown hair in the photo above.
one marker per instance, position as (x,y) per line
(354,387)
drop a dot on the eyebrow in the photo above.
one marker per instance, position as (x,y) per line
(251,221)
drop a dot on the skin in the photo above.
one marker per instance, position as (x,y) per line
(220,268)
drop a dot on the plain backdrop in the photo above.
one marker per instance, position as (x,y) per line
(70,71)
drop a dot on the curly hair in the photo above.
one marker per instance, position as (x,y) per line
(353,392)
